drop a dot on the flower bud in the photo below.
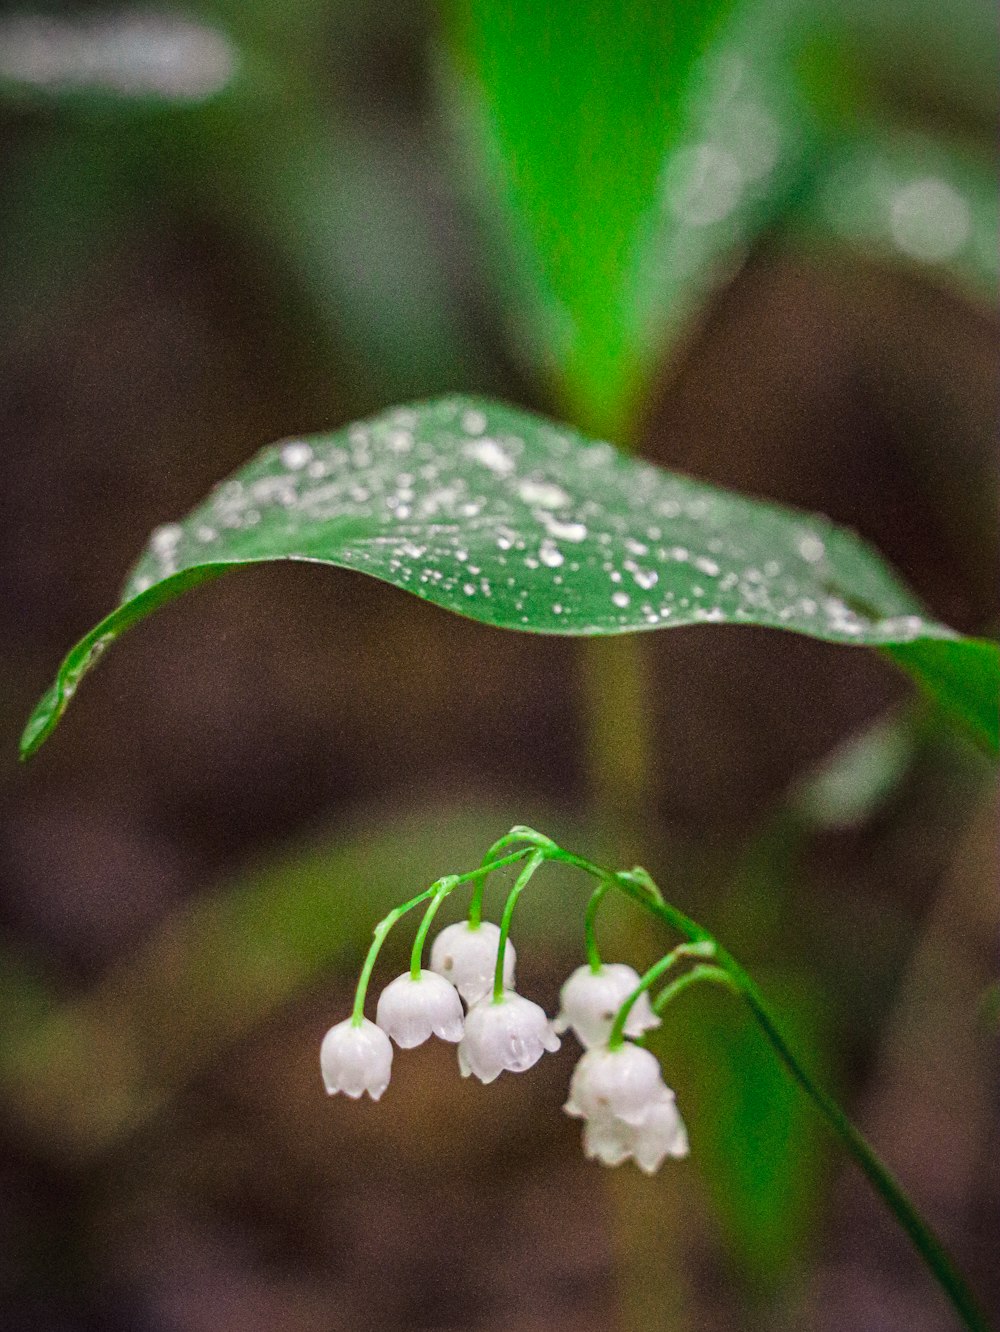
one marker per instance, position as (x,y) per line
(510,1033)
(467,957)
(356,1059)
(589,1001)
(411,1011)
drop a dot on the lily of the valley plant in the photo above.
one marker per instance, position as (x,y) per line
(468,996)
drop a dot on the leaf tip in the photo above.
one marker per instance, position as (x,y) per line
(42,721)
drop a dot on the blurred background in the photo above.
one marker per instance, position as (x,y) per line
(756,241)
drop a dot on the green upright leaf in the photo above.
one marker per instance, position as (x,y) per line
(631,153)
(627,156)
(514,521)
(756,1141)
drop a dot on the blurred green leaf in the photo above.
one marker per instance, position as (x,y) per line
(989,1006)
(631,152)
(941,56)
(511,520)
(626,157)
(27,999)
(339,205)
(334,203)
(67,201)
(755,1138)
(855,780)
(336,207)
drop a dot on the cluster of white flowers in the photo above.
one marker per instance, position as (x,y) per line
(617,1090)
(627,1109)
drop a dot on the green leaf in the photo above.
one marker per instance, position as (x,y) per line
(859,776)
(511,520)
(757,1142)
(932,55)
(964,683)
(628,155)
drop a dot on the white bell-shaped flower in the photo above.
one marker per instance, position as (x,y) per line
(589,1001)
(467,957)
(356,1059)
(659,1134)
(510,1033)
(411,1011)
(620,1084)
(608,1140)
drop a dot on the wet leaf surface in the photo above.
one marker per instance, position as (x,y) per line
(509,519)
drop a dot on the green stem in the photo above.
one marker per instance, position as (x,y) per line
(619,753)
(589,931)
(616,1037)
(536,858)
(417,953)
(883,1181)
(380,932)
(702,972)
(490,863)
(441,888)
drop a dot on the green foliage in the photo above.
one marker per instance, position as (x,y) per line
(627,157)
(103,63)
(506,518)
(629,153)
(855,780)
(757,1142)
